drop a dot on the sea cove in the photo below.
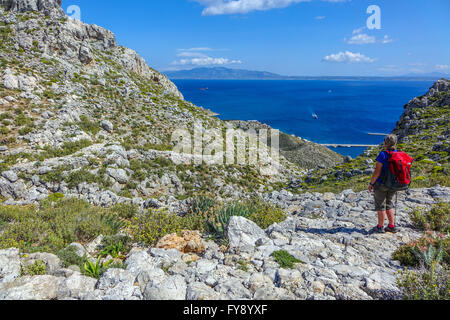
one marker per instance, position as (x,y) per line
(347,111)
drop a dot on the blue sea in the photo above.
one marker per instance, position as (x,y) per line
(347,110)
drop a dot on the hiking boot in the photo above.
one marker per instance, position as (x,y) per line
(377,229)
(392,230)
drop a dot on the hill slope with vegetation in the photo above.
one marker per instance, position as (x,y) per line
(84,116)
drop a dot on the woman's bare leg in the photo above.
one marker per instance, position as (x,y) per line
(381,217)
(391,217)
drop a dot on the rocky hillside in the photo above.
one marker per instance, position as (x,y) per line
(299,151)
(84,116)
(423,132)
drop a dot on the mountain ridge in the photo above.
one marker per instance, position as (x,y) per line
(223,73)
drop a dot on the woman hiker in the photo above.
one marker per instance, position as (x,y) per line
(384,196)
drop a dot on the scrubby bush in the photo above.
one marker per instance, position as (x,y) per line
(55,225)
(125,210)
(409,254)
(116,246)
(426,283)
(69,257)
(35,269)
(265,214)
(437,218)
(148,228)
(285,259)
(202,204)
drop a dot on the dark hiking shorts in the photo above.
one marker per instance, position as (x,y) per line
(384,197)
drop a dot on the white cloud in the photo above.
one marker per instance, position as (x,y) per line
(205,61)
(443,67)
(361,38)
(197,57)
(386,39)
(189,54)
(348,57)
(197,49)
(218,7)
(359,30)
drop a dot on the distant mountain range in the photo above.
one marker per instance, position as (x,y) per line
(222,73)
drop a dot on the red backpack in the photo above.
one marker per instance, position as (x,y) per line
(398,176)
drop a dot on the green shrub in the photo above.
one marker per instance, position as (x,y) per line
(35,269)
(114,250)
(284,259)
(264,214)
(55,197)
(202,204)
(117,246)
(69,257)
(55,225)
(425,284)
(217,225)
(415,252)
(95,270)
(125,210)
(88,126)
(148,228)
(66,149)
(437,218)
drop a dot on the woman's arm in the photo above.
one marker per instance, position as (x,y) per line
(376,175)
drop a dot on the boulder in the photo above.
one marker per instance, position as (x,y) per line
(117,284)
(31,288)
(119,175)
(9,265)
(188,242)
(243,234)
(174,288)
(200,291)
(76,286)
(107,126)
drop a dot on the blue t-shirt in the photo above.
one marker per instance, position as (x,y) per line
(383,158)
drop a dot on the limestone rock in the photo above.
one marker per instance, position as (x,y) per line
(9,265)
(188,242)
(173,288)
(243,234)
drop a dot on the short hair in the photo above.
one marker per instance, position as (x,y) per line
(391,140)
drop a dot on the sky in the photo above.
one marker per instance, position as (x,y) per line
(288,37)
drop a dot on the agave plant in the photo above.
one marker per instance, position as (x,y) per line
(219,224)
(95,269)
(429,256)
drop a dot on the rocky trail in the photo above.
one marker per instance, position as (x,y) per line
(329,234)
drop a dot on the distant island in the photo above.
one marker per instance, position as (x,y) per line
(222,73)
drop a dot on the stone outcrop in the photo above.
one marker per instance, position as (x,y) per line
(48,7)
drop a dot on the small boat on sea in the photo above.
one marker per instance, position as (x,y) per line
(315,116)
(204,89)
